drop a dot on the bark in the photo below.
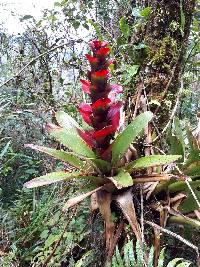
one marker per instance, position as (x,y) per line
(165,36)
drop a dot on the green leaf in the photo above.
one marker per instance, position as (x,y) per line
(72,140)
(54,177)
(175,146)
(124,27)
(173,262)
(103,165)
(61,155)
(122,179)
(151,161)
(182,186)
(66,121)
(151,257)
(145,12)
(5,149)
(161,259)
(193,169)
(123,140)
(179,132)
(182,18)
(184,264)
(97,29)
(131,72)
(189,204)
(83,261)
(50,240)
(193,148)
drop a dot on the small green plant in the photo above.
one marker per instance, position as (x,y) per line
(135,257)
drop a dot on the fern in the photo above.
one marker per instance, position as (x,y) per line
(133,258)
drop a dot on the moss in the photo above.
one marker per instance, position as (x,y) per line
(165,53)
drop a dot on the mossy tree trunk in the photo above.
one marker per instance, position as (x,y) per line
(166,36)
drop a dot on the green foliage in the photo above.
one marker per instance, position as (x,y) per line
(135,257)
(151,161)
(122,142)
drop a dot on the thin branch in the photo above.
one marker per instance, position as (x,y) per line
(188,243)
(189,186)
(36,58)
(59,240)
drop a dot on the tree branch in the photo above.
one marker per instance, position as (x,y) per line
(36,58)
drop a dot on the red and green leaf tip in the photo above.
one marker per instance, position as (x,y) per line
(103,113)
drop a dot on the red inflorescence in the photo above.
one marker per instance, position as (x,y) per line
(103,113)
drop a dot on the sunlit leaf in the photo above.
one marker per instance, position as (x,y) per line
(66,121)
(54,177)
(123,140)
(60,154)
(182,186)
(124,27)
(190,204)
(73,141)
(151,161)
(122,179)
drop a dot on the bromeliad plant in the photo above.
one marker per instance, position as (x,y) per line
(102,155)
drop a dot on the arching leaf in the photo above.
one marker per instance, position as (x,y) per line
(123,140)
(66,121)
(72,140)
(151,161)
(122,179)
(61,155)
(54,177)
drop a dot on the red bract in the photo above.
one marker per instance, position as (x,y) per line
(114,114)
(101,73)
(103,132)
(104,51)
(101,103)
(86,111)
(86,137)
(103,114)
(96,44)
(91,59)
(85,86)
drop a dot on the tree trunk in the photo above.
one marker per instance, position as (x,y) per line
(165,36)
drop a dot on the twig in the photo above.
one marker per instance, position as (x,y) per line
(58,241)
(34,59)
(188,243)
(189,186)
(142,223)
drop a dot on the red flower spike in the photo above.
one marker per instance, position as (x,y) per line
(103,132)
(104,51)
(100,73)
(103,114)
(86,111)
(85,86)
(96,44)
(101,103)
(92,59)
